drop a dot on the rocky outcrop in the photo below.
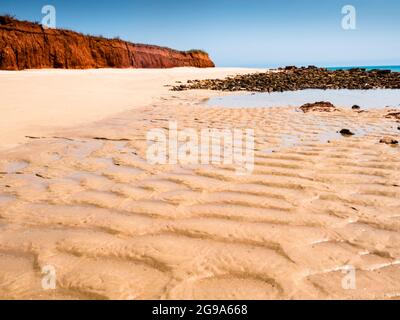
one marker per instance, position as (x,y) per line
(322,106)
(346,133)
(389,140)
(293,78)
(26,45)
(393,115)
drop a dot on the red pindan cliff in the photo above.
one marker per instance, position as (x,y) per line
(26,45)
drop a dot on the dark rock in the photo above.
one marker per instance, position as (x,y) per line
(393,115)
(357,69)
(355,107)
(346,132)
(383,72)
(322,106)
(389,140)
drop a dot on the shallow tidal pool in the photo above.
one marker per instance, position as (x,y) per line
(366,99)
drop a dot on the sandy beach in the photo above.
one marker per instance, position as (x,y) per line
(36,102)
(78,195)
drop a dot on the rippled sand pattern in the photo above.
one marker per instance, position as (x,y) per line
(115,227)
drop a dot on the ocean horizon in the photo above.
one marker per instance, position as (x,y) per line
(392,68)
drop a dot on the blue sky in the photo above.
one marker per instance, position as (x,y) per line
(249,33)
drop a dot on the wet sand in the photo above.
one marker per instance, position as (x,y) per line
(84,200)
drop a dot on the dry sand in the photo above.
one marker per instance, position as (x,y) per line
(115,227)
(37,102)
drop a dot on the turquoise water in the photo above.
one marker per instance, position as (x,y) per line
(392,68)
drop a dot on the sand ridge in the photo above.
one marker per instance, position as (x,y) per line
(86,201)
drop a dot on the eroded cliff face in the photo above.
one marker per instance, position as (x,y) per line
(26,45)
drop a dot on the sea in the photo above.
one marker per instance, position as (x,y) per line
(392,68)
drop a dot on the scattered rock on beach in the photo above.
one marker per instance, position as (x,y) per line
(321,106)
(393,115)
(389,140)
(346,132)
(292,78)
